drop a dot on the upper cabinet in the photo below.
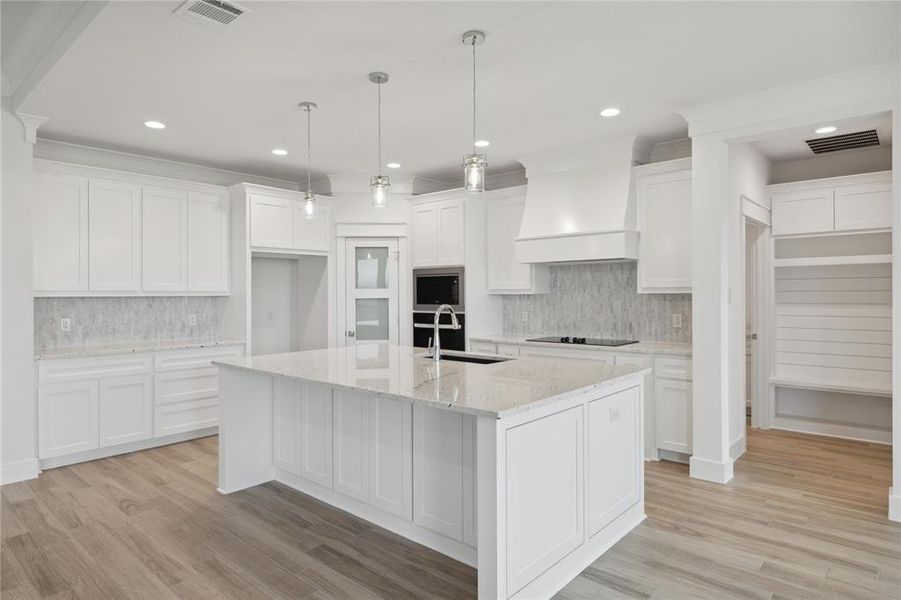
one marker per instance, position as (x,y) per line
(438,232)
(122,234)
(663,192)
(278,221)
(505,274)
(838,204)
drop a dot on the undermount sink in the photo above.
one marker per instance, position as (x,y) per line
(478,359)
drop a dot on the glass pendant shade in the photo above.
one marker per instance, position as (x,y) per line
(378,191)
(309,205)
(474,172)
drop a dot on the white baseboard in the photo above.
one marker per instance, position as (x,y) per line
(19,470)
(738,447)
(671,456)
(710,470)
(894,505)
(71,459)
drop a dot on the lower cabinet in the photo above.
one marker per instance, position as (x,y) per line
(126,409)
(391,451)
(351,443)
(672,406)
(68,418)
(438,470)
(316,434)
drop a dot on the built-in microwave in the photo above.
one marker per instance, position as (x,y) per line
(434,287)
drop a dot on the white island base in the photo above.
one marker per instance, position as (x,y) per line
(530,498)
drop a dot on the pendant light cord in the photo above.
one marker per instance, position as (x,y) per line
(474,94)
(378,169)
(309,151)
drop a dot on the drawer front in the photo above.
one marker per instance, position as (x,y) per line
(672,367)
(603,357)
(175,360)
(181,417)
(80,369)
(508,350)
(189,384)
(482,348)
(633,360)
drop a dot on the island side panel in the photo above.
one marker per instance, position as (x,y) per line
(245,429)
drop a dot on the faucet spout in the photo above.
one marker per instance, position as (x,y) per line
(436,352)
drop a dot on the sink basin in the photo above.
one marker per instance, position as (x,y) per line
(478,359)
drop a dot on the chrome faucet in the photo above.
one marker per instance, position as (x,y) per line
(436,351)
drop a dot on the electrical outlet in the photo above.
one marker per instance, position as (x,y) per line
(677,320)
(65,324)
(614,414)
(192,320)
(525,316)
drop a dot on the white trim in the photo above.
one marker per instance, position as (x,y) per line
(738,447)
(894,505)
(69,459)
(19,470)
(375,230)
(755,210)
(667,166)
(710,470)
(634,148)
(830,182)
(42,165)
(31,123)
(858,433)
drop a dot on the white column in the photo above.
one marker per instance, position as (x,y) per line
(491,502)
(711,229)
(894,503)
(18,408)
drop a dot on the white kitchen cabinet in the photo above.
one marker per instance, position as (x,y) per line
(438,470)
(505,274)
(606,358)
(312,233)
(438,233)
(164,235)
(482,348)
(863,206)
(803,211)
(672,406)
(286,398)
(391,452)
(60,232)
(114,236)
(271,219)
(664,223)
(68,418)
(208,246)
(126,409)
(351,444)
(316,434)
(615,462)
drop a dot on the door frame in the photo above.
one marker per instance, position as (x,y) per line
(396,231)
(758,216)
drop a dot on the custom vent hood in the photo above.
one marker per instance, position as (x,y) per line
(580,205)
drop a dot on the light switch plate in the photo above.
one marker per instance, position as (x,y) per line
(192,320)
(614,413)
(65,324)
(677,320)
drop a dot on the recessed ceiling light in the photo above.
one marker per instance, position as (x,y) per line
(393,165)
(827,129)
(155,124)
(610,112)
(279,152)
(481,143)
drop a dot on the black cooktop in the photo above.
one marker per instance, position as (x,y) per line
(587,341)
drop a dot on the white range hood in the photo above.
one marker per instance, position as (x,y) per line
(580,205)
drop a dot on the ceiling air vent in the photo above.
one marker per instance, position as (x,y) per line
(210,13)
(845,141)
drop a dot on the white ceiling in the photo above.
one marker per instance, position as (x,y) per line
(230,97)
(791,144)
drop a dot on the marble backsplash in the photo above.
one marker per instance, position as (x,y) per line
(598,300)
(98,321)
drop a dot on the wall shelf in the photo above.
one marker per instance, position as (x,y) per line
(825,386)
(815,261)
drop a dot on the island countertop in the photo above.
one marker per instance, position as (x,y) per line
(499,389)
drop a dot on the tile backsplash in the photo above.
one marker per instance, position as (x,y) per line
(598,300)
(97,321)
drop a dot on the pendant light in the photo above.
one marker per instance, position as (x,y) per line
(474,164)
(378,187)
(309,198)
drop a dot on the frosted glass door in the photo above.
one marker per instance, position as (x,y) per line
(372,312)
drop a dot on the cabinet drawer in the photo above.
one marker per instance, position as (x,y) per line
(184,385)
(508,350)
(78,369)
(672,367)
(806,211)
(603,357)
(192,359)
(482,348)
(633,360)
(180,417)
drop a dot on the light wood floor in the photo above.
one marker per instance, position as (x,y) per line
(803,518)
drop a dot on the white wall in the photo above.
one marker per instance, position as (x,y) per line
(865,160)
(274,308)
(18,408)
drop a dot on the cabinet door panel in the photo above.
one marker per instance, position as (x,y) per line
(672,406)
(164,238)
(287,425)
(270,221)
(207,243)
(315,233)
(806,211)
(664,213)
(392,456)
(614,457)
(126,410)
(449,247)
(863,206)
(60,232)
(351,454)
(114,236)
(438,470)
(316,434)
(425,231)
(67,417)
(504,272)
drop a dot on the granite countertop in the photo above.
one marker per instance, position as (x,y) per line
(497,390)
(642,347)
(126,348)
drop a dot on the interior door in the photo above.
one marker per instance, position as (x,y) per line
(372,284)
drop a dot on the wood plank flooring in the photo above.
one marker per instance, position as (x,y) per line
(803,518)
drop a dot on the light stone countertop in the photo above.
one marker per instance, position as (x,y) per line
(642,347)
(131,347)
(497,390)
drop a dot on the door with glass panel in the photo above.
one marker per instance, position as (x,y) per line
(372,309)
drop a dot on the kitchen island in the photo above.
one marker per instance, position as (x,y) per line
(528,469)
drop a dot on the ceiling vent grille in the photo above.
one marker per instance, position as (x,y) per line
(210,13)
(845,141)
